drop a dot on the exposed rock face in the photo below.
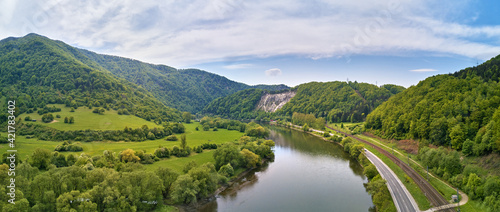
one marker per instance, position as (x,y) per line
(273,102)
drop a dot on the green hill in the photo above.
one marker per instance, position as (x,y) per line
(338,101)
(184,89)
(459,109)
(240,105)
(36,71)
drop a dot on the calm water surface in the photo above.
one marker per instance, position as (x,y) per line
(308,174)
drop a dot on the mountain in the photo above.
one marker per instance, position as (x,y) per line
(36,71)
(338,101)
(240,105)
(459,109)
(184,89)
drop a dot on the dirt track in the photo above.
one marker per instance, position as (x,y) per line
(432,194)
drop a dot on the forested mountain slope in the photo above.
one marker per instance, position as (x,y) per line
(36,71)
(338,101)
(240,105)
(460,109)
(185,89)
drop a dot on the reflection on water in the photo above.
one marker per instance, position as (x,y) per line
(308,174)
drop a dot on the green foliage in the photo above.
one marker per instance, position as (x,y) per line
(185,89)
(255,130)
(227,153)
(189,166)
(172,138)
(40,158)
(382,199)
(249,159)
(240,105)
(336,101)
(76,147)
(47,118)
(186,116)
(446,110)
(309,119)
(370,171)
(226,170)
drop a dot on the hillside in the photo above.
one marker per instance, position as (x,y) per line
(240,105)
(36,71)
(460,109)
(338,101)
(184,89)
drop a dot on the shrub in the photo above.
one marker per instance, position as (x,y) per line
(171,138)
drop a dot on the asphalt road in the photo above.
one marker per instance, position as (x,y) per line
(402,198)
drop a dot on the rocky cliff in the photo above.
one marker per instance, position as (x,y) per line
(273,102)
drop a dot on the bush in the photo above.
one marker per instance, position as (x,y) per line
(27,118)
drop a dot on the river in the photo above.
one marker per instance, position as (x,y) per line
(308,174)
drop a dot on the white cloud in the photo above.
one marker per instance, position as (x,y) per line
(424,70)
(183,33)
(238,66)
(273,72)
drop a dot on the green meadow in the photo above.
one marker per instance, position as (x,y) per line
(26,146)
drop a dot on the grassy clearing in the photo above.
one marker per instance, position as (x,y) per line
(473,206)
(346,126)
(194,138)
(177,164)
(85,119)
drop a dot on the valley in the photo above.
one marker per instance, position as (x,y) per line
(133,136)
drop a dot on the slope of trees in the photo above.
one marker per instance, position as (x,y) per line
(36,71)
(240,105)
(338,101)
(445,110)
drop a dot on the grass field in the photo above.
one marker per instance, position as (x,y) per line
(85,119)
(346,126)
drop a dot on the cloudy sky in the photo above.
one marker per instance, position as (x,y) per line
(273,42)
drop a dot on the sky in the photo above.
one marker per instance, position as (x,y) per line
(275,42)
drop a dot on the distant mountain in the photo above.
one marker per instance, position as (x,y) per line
(338,101)
(36,71)
(184,89)
(335,101)
(460,109)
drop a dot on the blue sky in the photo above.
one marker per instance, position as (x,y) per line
(273,42)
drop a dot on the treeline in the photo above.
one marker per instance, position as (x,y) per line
(444,110)
(37,71)
(127,134)
(338,101)
(309,119)
(477,183)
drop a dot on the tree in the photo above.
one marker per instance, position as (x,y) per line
(66,120)
(184,189)
(47,118)
(226,170)
(370,171)
(128,155)
(227,153)
(71,120)
(305,127)
(168,177)
(189,166)
(467,147)
(183,141)
(187,117)
(250,159)
(40,158)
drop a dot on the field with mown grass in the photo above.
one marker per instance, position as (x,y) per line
(86,119)
(26,146)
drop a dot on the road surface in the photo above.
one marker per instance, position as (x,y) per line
(402,198)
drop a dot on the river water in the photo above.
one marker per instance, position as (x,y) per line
(308,174)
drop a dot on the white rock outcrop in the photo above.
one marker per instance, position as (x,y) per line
(273,102)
